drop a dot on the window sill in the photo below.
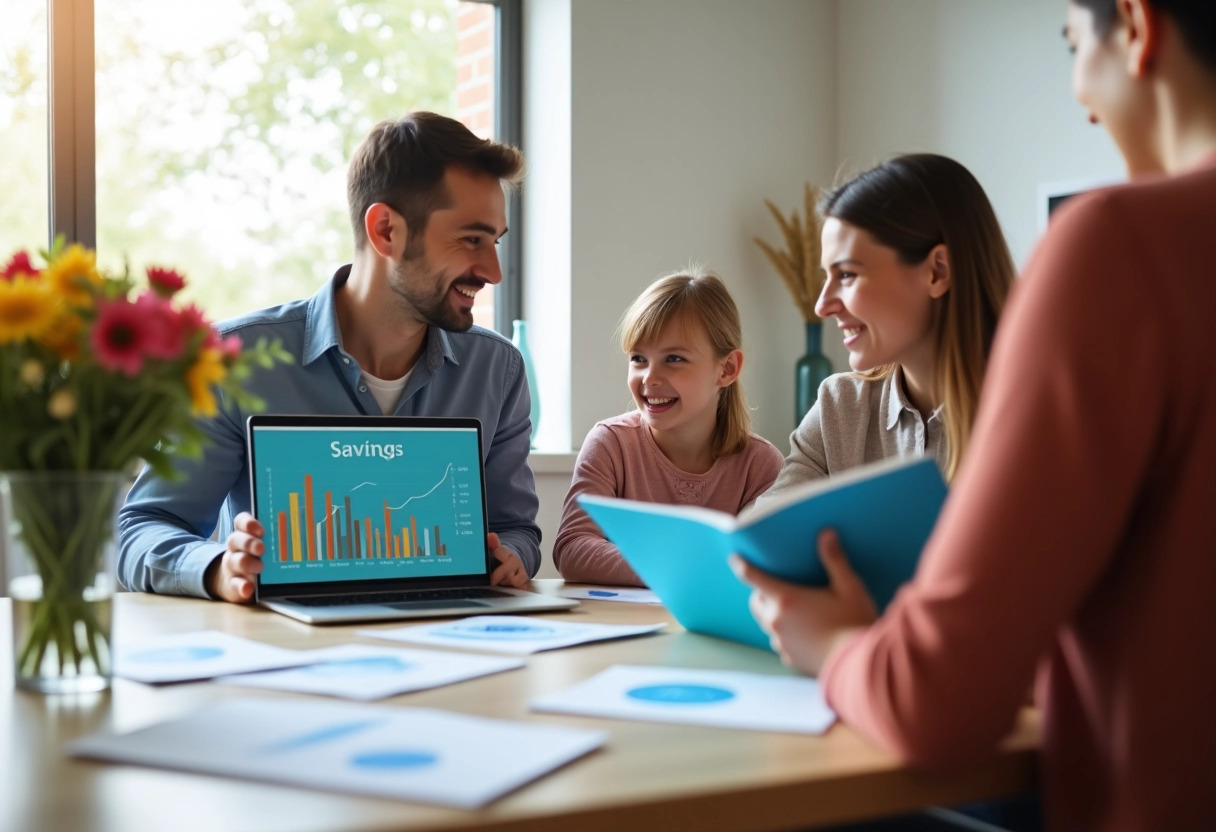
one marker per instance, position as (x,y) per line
(550,462)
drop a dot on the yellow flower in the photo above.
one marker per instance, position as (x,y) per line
(28,308)
(209,369)
(74,275)
(62,404)
(63,336)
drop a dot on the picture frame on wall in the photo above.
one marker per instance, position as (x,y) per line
(1053,194)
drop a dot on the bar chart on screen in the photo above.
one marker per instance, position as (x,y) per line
(336,501)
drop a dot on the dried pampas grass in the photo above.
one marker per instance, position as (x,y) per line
(798,263)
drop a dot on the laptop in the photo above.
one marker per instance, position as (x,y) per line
(375,517)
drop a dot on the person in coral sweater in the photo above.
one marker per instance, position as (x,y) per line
(1077,543)
(689,441)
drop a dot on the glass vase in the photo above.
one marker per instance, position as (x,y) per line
(58,541)
(519,337)
(809,372)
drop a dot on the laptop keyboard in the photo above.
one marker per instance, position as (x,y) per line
(457,594)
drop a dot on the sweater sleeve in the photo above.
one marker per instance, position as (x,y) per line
(1063,437)
(580,551)
(807,459)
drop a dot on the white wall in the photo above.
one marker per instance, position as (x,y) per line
(684,115)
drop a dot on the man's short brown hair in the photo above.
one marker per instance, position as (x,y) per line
(402,163)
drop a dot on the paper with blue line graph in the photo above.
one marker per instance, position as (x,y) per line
(416,754)
(201,655)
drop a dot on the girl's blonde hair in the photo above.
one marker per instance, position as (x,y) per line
(912,204)
(696,295)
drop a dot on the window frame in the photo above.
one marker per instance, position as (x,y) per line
(72,108)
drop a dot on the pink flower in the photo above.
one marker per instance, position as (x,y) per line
(166,333)
(165,282)
(230,348)
(20,264)
(121,336)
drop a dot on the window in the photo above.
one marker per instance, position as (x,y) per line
(223,129)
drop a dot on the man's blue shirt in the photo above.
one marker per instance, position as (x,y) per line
(165,527)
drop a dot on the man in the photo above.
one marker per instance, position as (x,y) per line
(1077,540)
(391,333)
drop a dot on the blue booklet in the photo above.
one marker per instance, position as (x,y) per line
(883,513)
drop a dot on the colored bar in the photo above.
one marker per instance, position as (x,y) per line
(319,532)
(396,546)
(438,548)
(367,526)
(388,531)
(309,521)
(329,525)
(406,551)
(294,500)
(426,539)
(414,537)
(282,536)
(377,552)
(339,543)
(358,549)
(350,540)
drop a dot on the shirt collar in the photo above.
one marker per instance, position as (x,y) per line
(322,332)
(897,401)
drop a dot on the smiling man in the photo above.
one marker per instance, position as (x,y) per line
(390,333)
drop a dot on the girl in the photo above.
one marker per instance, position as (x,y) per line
(689,439)
(917,273)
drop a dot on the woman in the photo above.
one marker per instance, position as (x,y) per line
(1077,541)
(917,272)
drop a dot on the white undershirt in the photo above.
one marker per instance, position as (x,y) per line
(386,393)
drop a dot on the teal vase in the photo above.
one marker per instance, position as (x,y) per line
(811,369)
(519,337)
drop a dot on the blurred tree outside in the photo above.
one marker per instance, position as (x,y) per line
(224,129)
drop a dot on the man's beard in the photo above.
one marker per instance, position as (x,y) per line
(432,307)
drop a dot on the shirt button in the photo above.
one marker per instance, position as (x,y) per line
(345,360)
(362,388)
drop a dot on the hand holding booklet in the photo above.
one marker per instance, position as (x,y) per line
(883,512)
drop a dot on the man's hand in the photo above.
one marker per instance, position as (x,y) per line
(803,624)
(233,575)
(510,570)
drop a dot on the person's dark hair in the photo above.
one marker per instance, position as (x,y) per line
(912,204)
(1196,19)
(402,163)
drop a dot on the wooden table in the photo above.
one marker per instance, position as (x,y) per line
(649,776)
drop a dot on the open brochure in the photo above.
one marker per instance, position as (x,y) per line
(883,513)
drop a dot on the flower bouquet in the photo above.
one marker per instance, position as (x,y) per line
(96,373)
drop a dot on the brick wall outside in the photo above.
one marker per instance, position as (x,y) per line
(475,99)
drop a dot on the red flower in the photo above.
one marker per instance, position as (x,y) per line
(166,334)
(230,348)
(20,264)
(165,282)
(122,335)
(192,321)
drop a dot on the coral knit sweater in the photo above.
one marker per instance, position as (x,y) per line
(1079,539)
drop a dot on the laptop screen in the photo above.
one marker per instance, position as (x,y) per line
(356,499)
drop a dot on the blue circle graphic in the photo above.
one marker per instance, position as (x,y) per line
(680,694)
(602,593)
(177,654)
(394,760)
(365,664)
(499,632)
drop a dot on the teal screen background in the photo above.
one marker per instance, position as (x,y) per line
(428,474)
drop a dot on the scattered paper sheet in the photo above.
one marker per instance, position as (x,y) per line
(409,753)
(509,633)
(200,655)
(721,698)
(629,595)
(358,671)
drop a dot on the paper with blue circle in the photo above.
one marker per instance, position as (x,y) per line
(424,755)
(720,698)
(367,672)
(510,633)
(200,655)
